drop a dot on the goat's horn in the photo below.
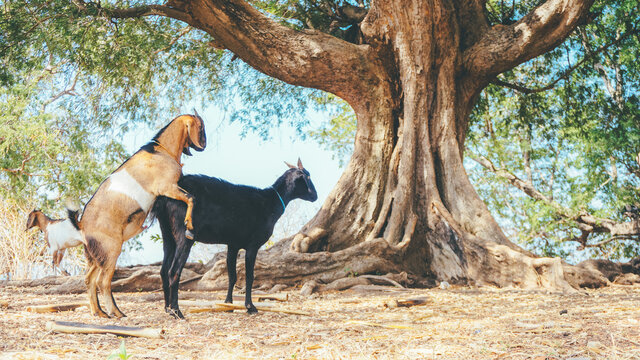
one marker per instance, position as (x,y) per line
(196,112)
(300,164)
(289,165)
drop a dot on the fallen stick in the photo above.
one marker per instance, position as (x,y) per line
(55,308)
(407,302)
(275,297)
(80,328)
(358,322)
(382,278)
(226,307)
(207,303)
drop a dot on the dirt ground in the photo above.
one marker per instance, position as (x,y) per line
(457,323)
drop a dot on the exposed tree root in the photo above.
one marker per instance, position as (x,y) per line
(360,266)
(292,268)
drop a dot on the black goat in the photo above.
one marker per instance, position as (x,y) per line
(240,216)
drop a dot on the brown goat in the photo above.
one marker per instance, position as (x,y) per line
(59,234)
(117,210)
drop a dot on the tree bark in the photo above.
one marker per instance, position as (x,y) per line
(404,202)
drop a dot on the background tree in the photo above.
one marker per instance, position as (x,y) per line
(412,72)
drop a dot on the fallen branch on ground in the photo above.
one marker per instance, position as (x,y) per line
(406,303)
(358,322)
(208,303)
(383,278)
(218,307)
(49,308)
(80,328)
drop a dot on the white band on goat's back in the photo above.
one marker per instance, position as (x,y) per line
(124,183)
(62,235)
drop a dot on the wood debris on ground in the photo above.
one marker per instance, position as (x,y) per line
(455,323)
(70,327)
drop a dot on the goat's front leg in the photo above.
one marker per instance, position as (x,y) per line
(177,193)
(249,263)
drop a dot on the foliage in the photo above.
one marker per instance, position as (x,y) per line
(576,142)
(121,353)
(327,16)
(338,133)
(74,83)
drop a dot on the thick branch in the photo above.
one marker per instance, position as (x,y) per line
(503,47)
(305,58)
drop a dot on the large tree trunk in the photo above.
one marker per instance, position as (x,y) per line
(405,202)
(405,182)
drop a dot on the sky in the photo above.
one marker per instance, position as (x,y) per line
(248,161)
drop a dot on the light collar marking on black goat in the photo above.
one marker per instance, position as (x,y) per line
(280,197)
(167,150)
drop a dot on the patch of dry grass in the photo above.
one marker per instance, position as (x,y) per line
(460,323)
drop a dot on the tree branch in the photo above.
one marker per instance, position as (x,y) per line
(606,241)
(590,54)
(69,91)
(21,169)
(587,223)
(134,12)
(503,47)
(304,58)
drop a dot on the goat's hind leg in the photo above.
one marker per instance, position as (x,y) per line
(180,259)
(169,248)
(232,255)
(91,281)
(106,274)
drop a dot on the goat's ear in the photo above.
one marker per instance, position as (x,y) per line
(195,132)
(289,165)
(300,164)
(31,220)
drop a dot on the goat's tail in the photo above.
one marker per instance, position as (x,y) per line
(158,210)
(73,217)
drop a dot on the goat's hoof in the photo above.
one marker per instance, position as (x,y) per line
(118,315)
(188,234)
(175,313)
(101,314)
(251,310)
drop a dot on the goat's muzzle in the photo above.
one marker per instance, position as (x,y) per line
(202,139)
